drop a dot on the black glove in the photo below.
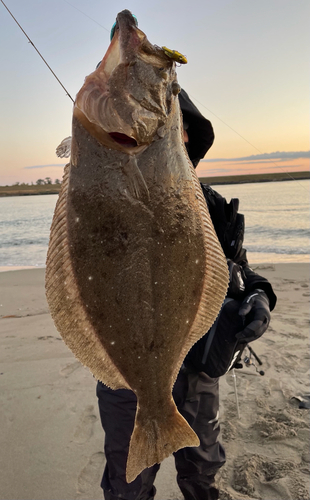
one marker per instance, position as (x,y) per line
(255,312)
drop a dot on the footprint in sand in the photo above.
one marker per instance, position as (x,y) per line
(68,369)
(260,476)
(91,474)
(84,429)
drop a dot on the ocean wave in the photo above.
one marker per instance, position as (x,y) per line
(272,228)
(23,242)
(278,250)
(299,208)
(278,231)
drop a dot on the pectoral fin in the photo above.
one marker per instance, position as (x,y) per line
(64,148)
(136,184)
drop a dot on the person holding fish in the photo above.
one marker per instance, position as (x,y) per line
(138,266)
(195,392)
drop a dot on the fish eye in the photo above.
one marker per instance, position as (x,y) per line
(164,74)
(176,89)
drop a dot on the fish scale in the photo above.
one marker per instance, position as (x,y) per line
(135,273)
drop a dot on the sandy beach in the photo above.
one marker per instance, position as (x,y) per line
(50,433)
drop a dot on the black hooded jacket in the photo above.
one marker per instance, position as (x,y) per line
(228,223)
(199,129)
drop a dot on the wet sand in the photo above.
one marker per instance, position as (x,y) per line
(50,433)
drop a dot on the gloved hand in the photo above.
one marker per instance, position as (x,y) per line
(256,306)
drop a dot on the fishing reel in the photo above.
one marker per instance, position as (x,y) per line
(248,360)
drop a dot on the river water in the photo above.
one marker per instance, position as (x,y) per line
(276,217)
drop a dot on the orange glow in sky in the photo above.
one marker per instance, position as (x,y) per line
(221,168)
(247,73)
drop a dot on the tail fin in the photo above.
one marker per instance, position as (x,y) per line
(153,440)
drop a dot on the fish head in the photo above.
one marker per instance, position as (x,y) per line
(127,101)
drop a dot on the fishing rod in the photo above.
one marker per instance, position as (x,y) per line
(30,41)
(220,119)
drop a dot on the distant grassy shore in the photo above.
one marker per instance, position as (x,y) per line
(242,179)
(25,190)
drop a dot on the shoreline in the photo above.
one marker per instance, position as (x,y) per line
(304,260)
(6,269)
(33,190)
(50,432)
(255,178)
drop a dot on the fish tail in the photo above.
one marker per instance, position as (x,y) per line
(153,440)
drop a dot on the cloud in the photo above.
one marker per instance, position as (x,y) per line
(45,166)
(264,165)
(214,172)
(217,170)
(264,157)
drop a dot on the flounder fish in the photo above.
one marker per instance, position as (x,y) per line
(135,274)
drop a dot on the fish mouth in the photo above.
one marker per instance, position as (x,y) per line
(126,100)
(123,140)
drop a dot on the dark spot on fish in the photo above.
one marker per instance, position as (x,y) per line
(186,257)
(181,299)
(156,261)
(196,292)
(124,236)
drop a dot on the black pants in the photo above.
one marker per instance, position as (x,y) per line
(197,398)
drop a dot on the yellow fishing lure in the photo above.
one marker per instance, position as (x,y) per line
(176,56)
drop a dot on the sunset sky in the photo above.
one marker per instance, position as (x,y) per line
(247,71)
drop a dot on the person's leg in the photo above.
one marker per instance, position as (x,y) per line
(197,399)
(117,412)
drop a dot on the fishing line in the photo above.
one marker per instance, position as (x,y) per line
(192,97)
(231,128)
(37,51)
(86,16)
(275,163)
